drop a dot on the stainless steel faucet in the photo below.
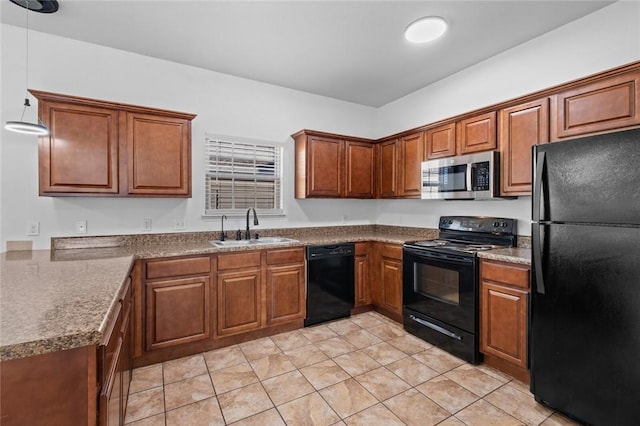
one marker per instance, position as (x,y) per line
(247,234)
(224,216)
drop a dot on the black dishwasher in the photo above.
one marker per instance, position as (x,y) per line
(330,287)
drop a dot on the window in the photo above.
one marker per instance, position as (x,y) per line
(242,174)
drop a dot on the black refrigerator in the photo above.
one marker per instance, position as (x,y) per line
(584,330)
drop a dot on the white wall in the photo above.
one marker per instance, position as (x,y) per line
(602,40)
(224,104)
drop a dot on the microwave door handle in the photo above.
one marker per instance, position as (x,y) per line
(469,176)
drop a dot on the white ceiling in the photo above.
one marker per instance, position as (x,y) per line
(349,50)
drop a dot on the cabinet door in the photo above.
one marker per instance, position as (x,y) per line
(158,155)
(388,163)
(324,167)
(239,301)
(504,323)
(392,285)
(360,168)
(611,103)
(286,296)
(521,127)
(81,153)
(440,142)
(410,183)
(362,291)
(477,133)
(177,312)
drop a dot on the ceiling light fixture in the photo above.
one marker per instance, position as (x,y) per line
(425,29)
(43,6)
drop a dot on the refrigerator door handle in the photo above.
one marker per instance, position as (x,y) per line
(537,257)
(539,159)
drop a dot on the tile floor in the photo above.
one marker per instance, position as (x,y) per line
(365,370)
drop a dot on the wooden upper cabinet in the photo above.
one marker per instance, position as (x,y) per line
(410,160)
(81,153)
(477,133)
(387,169)
(332,166)
(100,148)
(521,127)
(360,169)
(440,142)
(606,104)
(158,155)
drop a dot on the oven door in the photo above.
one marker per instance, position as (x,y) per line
(441,286)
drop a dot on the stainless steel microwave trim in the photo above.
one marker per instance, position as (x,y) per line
(430,191)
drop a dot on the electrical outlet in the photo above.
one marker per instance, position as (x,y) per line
(146,224)
(33,228)
(81,226)
(178,224)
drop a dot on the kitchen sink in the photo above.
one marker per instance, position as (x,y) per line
(256,242)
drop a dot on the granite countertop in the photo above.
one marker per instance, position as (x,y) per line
(63,298)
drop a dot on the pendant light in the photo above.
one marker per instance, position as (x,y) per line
(43,6)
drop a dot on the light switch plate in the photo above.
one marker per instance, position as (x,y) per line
(81,227)
(146,224)
(33,228)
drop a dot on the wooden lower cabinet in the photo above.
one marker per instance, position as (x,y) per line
(286,297)
(362,271)
(238,301)
(504,293)
(387,280)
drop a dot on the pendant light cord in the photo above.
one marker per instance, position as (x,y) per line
(26,73)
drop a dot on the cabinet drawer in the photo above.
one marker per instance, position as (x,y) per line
(174,267)
(238,260)
(293,255)
(506,273)
(392,251)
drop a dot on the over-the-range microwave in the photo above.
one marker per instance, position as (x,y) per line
(465,177)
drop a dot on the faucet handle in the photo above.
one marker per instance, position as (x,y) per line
(238,234)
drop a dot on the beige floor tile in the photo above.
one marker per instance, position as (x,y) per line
(348,397)
(384,353)
(361,338)
(414,408)
(187,391)
(290,340)
(524,388)
(473,379)
(343,326)
(376,415)
(499,375)
(145,404)
(356,363)
(387,331)
(557,419)
(201,413)
(146,378)
(323,374)
(520,405)
(287,387)
(306,355)
(224,357)
(259,348)
(452,421)
(382,383)
(438,359)
(310,410)
(410,344)
(318,333)
(231,378)
(335,347)
(448,394)
(244,402)
(481,413)
(157,420)
(271,366)
(412,371)
(266,418)
(367,320)
(183,368)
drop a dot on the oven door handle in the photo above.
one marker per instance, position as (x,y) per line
(435,327)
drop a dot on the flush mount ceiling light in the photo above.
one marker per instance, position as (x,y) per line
(425,29)
(43,6)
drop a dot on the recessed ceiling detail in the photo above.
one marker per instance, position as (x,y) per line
(426,29)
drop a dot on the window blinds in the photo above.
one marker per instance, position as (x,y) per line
(240,175)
